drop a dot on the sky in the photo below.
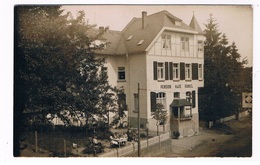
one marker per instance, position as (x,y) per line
(236,21)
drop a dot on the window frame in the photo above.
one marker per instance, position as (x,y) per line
(188,71)
(200,72)
(161,99)
(176,71)
(121,69)
(200,46)
(176,93)
(160,71)
(189,96)
(166,41)
(185,43)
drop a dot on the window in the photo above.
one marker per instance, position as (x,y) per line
(189,96)
(200,46)
(121,73)
(160,71)
(122,101)
(135,102)
(129,38)
(166,41)
(176,71)
(184,43)
(161,99)
(157,98)
(140,42)
(176,95)
(200,72)
(187,71)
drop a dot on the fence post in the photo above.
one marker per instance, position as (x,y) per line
(147,142)
(36,141)
(117,154)
(65,148)
(159,142)
(133,147)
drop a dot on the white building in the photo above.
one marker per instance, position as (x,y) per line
(165,56)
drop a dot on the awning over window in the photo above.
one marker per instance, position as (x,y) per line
(180,103)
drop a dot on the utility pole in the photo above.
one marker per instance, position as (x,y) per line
(138,121)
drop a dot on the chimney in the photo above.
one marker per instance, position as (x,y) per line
(144,19)
(101,29)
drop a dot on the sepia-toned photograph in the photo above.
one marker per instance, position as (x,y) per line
(167,81)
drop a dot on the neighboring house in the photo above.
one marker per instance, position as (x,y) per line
(166,57)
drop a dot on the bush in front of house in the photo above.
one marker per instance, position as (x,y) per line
(176,134)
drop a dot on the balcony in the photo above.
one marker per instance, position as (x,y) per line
(185,117)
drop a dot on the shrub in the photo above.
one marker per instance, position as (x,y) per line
(103,135)
(176,134)
(143,135)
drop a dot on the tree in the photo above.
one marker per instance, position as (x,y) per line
(56,71)
(160,115)
(121,107)
(222,65)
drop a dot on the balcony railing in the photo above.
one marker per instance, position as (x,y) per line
(185,117)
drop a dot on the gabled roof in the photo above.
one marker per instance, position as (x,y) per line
(122,43)
(155,23)
(115,46)
(195,25)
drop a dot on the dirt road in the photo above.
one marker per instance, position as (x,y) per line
(231,139)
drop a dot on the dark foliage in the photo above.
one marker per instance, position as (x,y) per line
(56,73)
(222,74)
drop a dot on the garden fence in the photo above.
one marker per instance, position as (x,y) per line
(129,150)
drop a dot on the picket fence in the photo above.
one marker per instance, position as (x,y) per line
(133,147)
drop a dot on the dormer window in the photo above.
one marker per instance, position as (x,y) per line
(129,38)
(178,23)
(140,42)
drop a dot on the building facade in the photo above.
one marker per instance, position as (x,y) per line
(165,57)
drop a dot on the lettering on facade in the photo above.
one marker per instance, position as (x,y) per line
(166,86)
(188,86)
(178,86)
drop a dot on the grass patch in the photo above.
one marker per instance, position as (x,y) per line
(53,141)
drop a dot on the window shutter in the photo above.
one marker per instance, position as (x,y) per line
(182,71)
(153,101)
(171,71)
(193,99)
(166,71)
(155,70)
(194,71)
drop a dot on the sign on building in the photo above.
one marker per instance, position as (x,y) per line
(247,100)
